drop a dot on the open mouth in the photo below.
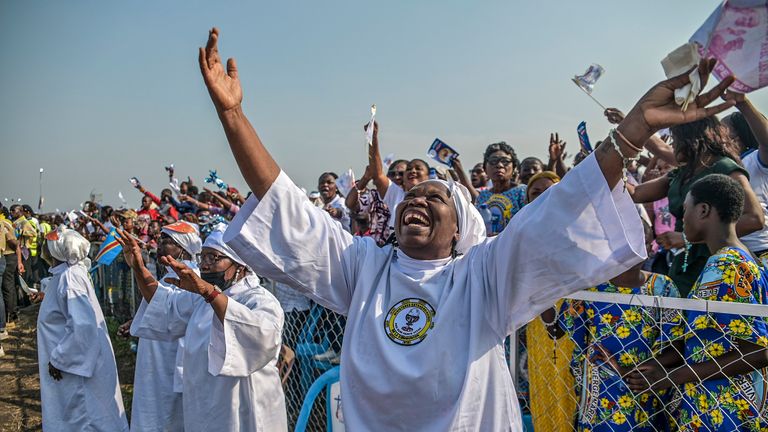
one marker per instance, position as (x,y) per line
(416,218)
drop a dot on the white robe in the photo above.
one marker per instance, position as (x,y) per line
(230,376)
(449,374)
(72,335)
(157,382)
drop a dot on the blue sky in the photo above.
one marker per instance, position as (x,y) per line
(96,92)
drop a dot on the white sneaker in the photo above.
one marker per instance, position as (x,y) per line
(326,356)
(4,335)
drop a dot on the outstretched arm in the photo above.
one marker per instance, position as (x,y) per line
(656,110)
(375,164)
(256,164)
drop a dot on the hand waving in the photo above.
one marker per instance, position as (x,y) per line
(556,147)
(657,108)
(131,249)
(223,86)
(187,279)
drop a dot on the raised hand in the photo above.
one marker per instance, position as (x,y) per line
(131,249)
(657,108)
(614,115)
(187,279)
(223,86)
(734,96)
(556,147)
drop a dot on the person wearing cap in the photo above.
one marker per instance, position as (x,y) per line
(79,386)
(232,330)
(426,320)
(157,383)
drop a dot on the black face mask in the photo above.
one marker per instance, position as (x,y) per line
(215,278)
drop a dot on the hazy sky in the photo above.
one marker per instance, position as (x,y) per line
(98,91)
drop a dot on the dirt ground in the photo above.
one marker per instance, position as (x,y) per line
(19,383)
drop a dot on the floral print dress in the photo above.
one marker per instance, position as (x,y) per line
(632,334)
(731,403)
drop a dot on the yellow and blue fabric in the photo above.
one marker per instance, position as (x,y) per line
(502,206)
(729,403)
(109,250)
(631,334)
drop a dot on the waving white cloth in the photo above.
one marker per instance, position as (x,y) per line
(680,61)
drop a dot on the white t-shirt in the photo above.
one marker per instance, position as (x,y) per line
(758,179)
(423,345)
(392,198)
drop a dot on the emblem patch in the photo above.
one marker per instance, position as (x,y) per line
(408,321)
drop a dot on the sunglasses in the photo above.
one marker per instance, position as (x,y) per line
(496,160)
(395,173)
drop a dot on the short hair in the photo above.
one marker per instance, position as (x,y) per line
(721,192)
(398,162)
(501,146)
(532,159)
(27,209)
(4,211)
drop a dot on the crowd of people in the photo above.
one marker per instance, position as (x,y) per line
(425,272)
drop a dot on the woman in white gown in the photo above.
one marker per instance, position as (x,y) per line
(232,331)
(78,376)
(426,320)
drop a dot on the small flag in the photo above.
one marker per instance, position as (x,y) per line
(588,80)
(369,129)
(109,250)
(122,199)
(346,182)
(581,129)
(214,178)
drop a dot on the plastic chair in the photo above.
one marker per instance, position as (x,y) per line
(307,349)
(324,381)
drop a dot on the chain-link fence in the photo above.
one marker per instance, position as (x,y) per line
(610,361)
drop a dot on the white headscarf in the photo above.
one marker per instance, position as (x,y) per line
(186,235)
(215,240)
(471,225)
(68,246)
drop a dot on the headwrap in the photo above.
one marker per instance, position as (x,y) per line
(542,175)
(470,223)
(215,240)
(68,246)
(185,234)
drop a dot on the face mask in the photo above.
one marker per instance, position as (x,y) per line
(217,278)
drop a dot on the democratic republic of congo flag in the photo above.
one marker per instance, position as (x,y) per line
(109,250)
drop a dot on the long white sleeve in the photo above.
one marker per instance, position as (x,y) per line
(285,238)
(576,235)
(165,318)
(248,339)
(76,352)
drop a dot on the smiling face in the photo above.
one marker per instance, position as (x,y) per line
(426,224)
(416,172)
(500,167)
(396,173)
(326,184)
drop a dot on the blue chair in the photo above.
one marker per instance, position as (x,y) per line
(324,381)
(307,349)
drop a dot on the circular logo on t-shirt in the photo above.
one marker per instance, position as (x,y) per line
(408,321)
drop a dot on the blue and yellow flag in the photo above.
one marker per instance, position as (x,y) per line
(109,250)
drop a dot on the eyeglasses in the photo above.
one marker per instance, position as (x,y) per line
(496,160)
(211,259)
(395,173)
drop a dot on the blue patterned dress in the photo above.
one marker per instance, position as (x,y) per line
(733,403)
(632,334)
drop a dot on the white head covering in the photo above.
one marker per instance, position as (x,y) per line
(215,240)
(471,225)
(186,235)
(68,246)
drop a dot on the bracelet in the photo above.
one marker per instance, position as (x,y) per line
(626,161)
(212,295)
(628,142)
